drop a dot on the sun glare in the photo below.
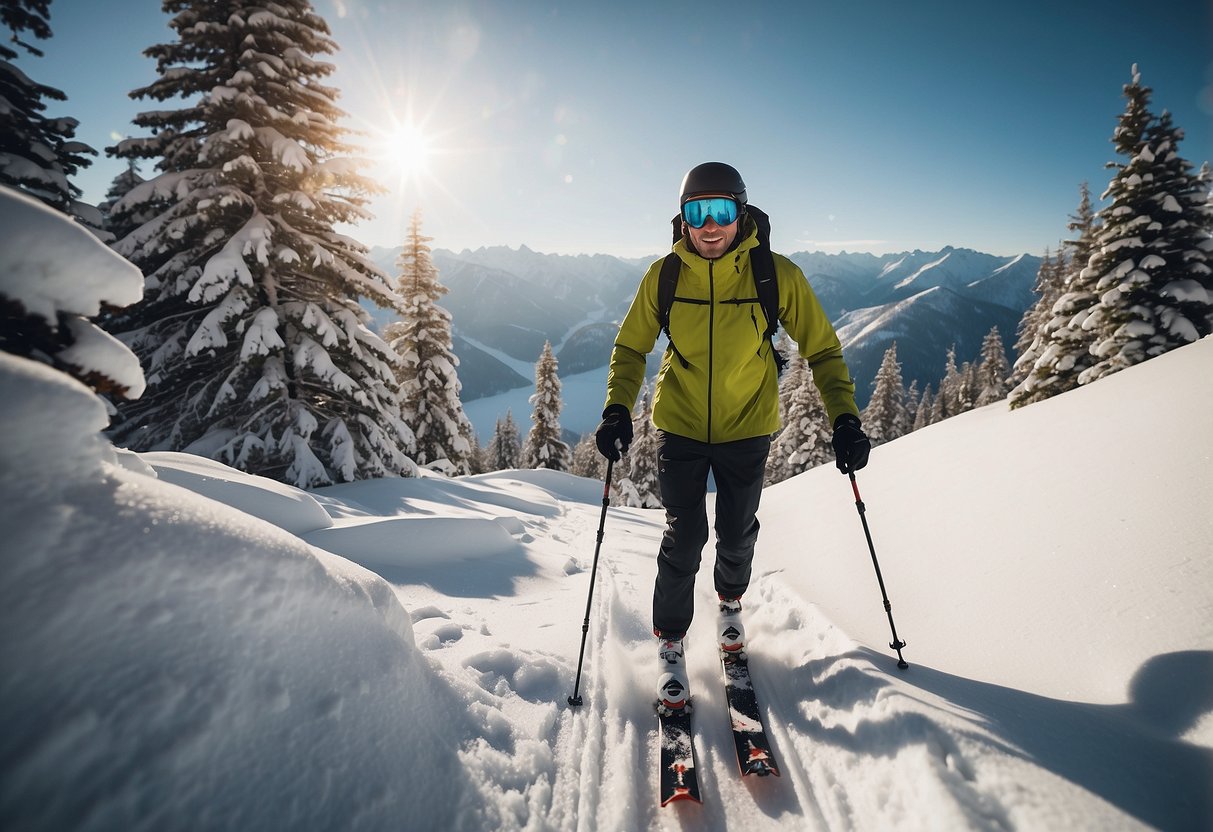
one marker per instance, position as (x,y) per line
(406,151)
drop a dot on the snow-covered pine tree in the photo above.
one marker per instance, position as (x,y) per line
(804,441)
(638,488)
(544,447)
(586,461)
(38,154)
(1152,260)
(54,276)
(429,383)
(1060,347)
(477,456)
(884,417)
(913,398)
(121,223)
(967,392)
(505,448)
(923,417)
(1028,343)
(947,401)
(256,348)
(993,372)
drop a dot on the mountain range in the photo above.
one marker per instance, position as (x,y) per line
(506,302)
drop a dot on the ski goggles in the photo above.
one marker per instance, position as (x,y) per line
(722,209)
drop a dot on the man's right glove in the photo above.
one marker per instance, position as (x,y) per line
(851,445)
(614,433)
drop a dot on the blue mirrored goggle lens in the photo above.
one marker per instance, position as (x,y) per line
(721,209)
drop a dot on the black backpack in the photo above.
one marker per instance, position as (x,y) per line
(766,286)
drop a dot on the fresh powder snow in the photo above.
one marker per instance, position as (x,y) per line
(189,646)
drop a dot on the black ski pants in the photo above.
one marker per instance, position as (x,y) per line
(682,476)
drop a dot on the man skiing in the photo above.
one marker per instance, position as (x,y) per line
(716,401)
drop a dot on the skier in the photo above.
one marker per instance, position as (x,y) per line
(716,401)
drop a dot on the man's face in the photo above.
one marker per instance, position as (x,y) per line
(712,240)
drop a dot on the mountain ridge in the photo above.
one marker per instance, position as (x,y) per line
(511,300)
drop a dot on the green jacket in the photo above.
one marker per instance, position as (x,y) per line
(730,389)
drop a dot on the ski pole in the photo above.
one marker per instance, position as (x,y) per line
(897,643)
(575,699)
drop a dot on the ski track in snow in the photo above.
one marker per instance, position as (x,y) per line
(858,747)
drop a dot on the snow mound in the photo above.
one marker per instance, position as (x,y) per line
(287,507)
(64,420)
(165,643)
(415,541)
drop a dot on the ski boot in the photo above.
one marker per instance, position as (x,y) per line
(673,686)
(730,629)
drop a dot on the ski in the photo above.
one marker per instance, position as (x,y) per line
(754,754)
(678,779)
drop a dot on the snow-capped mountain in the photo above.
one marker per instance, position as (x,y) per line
(846,282)
(509,301)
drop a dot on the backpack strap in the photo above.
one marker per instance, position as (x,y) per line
(766,285)
(667,286)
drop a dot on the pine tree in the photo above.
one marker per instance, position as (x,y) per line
(54,277)
(476,459)
(968,389)
(429,384)
(993,372)
(1151,267)
(505,448)
(256,347)
(121,223)
(910,413)
(884,417)
(638,488)
(947,401)
(586,461)
(1028,344)
(38,154)
(544,447)
(804,441)
(923,417)
(1060,347)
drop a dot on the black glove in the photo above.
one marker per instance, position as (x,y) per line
(851,445)
(614,433)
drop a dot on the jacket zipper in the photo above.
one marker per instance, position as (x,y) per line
(711,340)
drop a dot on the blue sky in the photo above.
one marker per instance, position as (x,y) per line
(871,125)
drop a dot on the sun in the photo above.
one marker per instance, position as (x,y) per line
(406,151)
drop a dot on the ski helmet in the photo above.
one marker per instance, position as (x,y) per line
(712,178)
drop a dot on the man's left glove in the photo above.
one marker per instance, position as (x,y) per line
(851,445)
(614,433)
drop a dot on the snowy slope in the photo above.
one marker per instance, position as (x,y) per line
(175,660)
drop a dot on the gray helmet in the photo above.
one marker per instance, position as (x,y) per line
(712,178)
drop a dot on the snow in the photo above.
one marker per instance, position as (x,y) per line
(57,270)
(197,648)
(76,275)
(94,349)
(285,506)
